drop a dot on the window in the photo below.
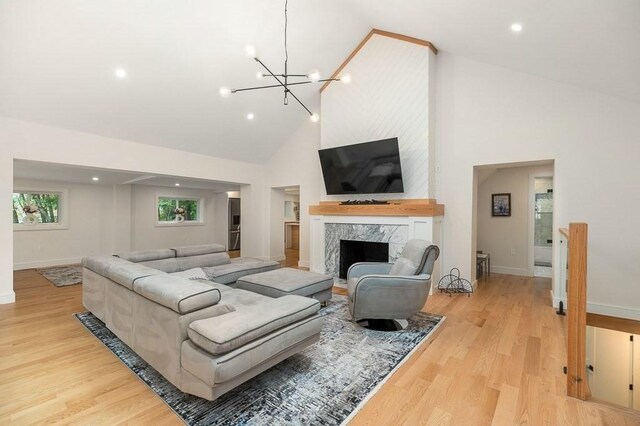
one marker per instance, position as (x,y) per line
(168,209)
(37,207)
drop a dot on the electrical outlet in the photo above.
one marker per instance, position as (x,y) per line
(513,252)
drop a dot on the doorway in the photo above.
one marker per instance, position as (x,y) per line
(291,226)
(543,226)
(513,221)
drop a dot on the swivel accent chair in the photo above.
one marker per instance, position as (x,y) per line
(383,295)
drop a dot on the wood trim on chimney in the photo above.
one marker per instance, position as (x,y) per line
(374,31)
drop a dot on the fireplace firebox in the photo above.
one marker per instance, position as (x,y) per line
(361,251)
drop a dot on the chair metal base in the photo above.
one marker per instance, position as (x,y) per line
(384,324)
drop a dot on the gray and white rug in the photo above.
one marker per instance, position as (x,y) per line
(322,385)
(62,276)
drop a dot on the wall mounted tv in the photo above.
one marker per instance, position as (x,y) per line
(364,168)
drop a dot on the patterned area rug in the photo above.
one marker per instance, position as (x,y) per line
(61,276)
(322,385)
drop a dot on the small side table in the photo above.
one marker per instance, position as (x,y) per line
(485,260)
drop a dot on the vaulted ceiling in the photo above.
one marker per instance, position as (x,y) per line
(58,58)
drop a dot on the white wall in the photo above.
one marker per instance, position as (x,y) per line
(105,219)
(388,97)
(30,141)
(508,239)
(148,235)
(221,218)
(89,230)
(296,163)
(490,115)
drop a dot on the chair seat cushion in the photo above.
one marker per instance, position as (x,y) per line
(230,331)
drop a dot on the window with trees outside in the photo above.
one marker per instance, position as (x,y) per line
(168,209)
(43,207)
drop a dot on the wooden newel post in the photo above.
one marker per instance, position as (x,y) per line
(577,385)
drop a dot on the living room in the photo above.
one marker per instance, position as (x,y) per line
(146,99)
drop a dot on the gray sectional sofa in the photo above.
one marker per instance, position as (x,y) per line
(199,332)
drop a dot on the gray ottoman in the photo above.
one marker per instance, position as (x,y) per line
(284,281)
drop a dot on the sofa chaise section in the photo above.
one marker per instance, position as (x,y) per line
(226,351)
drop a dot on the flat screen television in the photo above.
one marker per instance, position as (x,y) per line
(364,168)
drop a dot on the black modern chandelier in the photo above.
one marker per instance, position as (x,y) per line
(284,80)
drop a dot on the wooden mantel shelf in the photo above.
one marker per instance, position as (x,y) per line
(405,207)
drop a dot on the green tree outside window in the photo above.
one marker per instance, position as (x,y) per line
(47,204)
(167,206)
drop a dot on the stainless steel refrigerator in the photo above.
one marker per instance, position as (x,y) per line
(234,223)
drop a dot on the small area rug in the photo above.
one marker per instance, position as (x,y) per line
(61,276)
(323,385)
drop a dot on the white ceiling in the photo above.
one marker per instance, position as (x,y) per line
(53,172)
(58,58)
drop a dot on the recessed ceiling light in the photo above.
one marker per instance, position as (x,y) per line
(250,116)
(95,178)
(121,73)
(176,184)
(516,27)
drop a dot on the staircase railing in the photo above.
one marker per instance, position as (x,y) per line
(577,238)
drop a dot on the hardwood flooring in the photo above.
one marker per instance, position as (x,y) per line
(497,359)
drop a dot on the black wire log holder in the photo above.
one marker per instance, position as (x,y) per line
(452,283)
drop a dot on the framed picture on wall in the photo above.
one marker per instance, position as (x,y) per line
(501,205)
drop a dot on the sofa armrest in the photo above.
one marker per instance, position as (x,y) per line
(178,294)
(230,331)
(368,268)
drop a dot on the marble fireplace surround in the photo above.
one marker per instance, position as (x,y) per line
(394,235)
(328,230)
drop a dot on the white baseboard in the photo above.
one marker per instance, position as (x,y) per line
(511,271)
(278,258)
(6,298)
(555,301)
(603,309)
(46,263)
(613,311)
(304,264)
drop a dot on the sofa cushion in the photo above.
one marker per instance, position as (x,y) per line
(100,264)
(127,273)
(197,250)
(166,265)
(180,295)
(221,369)
(230,331)
(210,259)
(239,267)
(403,266)
(191,274)
(148,255)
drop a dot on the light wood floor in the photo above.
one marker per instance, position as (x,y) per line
(497,358)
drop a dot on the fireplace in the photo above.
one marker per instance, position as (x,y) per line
(361,251)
